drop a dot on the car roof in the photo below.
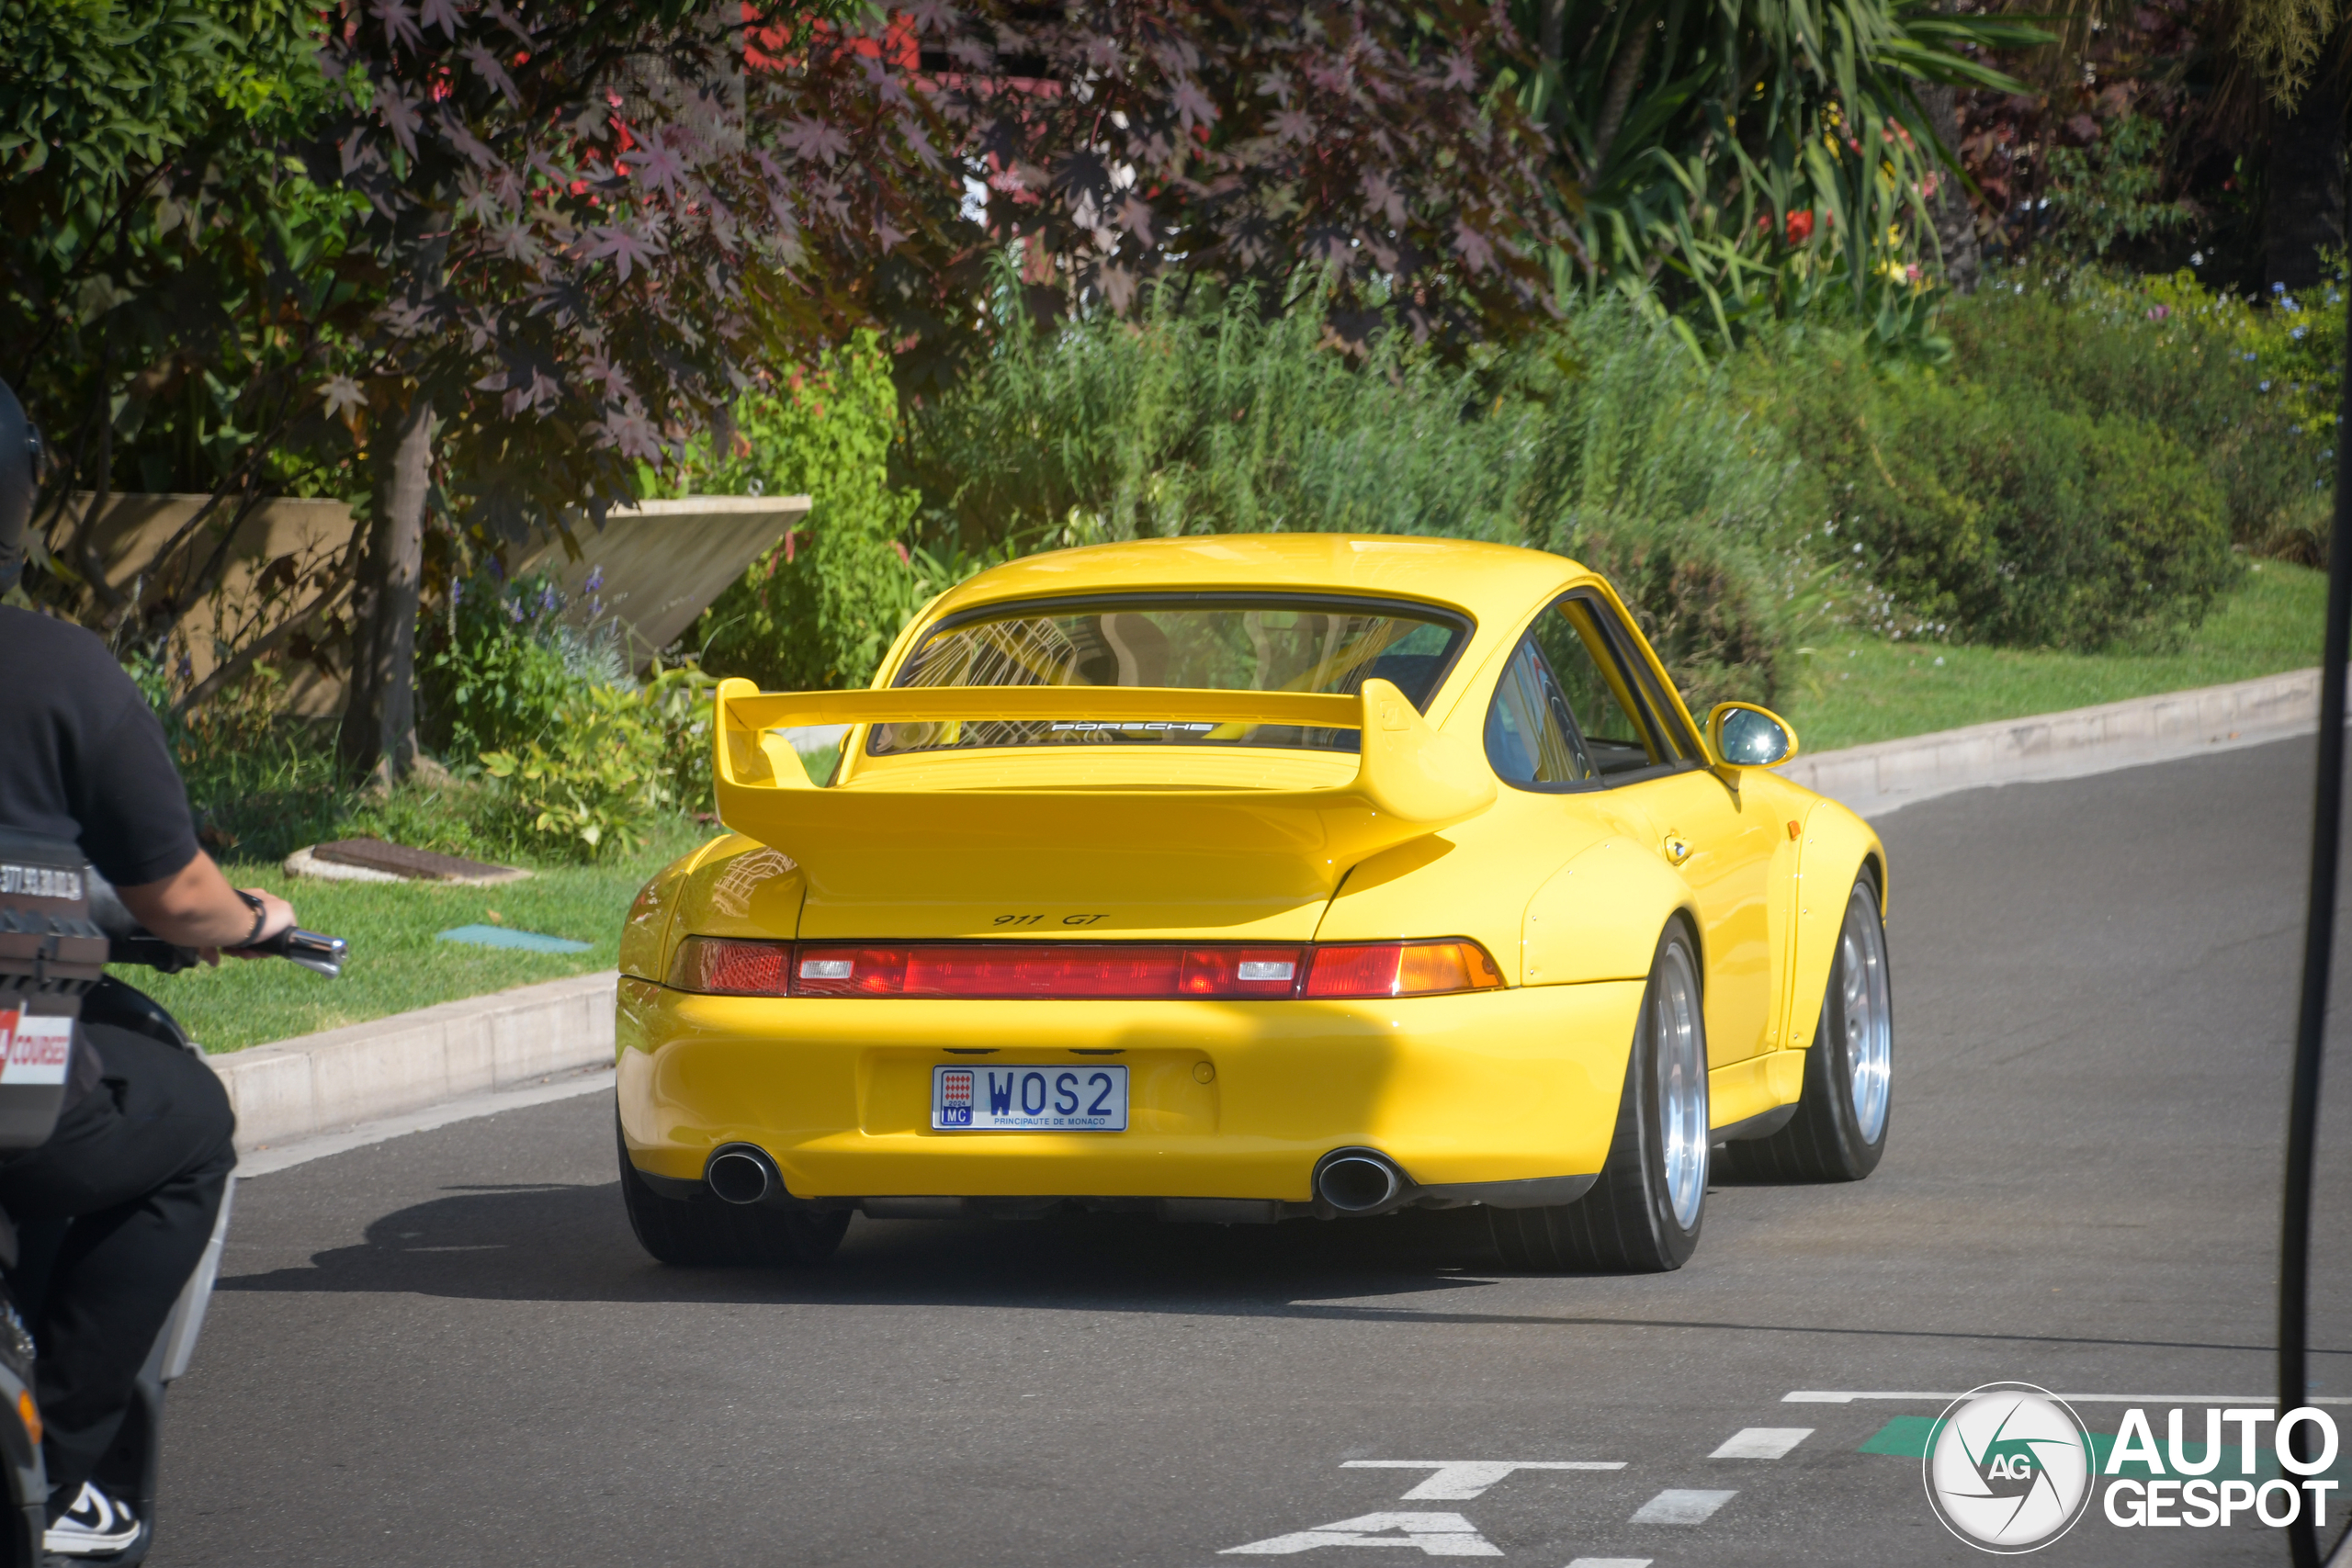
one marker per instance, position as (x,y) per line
(1490,582)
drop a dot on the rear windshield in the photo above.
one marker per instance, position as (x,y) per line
(1232,642)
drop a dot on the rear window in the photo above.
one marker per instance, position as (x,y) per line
(1231,642)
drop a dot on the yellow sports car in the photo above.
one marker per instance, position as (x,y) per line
(1236,879)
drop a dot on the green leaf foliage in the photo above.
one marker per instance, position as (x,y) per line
(1757,160)
(2067,481)
(1602,439)
(819,609)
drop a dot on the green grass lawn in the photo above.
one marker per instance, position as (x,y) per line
(1854,691)
(397,962)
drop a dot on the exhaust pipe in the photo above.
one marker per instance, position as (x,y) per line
(741,1173)
(1360,1181)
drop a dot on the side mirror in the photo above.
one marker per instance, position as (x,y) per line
(1744,736)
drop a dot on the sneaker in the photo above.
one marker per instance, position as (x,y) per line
(96,1526)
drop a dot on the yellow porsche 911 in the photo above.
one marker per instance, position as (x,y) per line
(1235,879)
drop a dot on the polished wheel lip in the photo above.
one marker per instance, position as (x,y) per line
(1679,1040)
(1868,1013)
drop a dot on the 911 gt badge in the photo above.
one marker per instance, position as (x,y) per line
(2008,1468)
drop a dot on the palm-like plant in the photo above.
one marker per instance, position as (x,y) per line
(1749,157)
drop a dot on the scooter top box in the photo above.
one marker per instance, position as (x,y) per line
(49,944)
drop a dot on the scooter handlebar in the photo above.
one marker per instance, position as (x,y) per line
(321,954)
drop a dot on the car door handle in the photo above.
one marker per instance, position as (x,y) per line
(1677,849)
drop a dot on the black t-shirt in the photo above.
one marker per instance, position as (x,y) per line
(82,757)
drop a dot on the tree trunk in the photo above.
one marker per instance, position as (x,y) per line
(1955,217)
(2304,201)
(378,739)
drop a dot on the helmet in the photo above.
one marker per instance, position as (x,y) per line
(19,478)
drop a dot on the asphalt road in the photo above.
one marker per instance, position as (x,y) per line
(448,1348)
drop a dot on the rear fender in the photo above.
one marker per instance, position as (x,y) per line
(738,888)
(1834,847)
(1598,917)
(645,930)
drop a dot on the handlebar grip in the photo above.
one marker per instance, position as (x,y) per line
(315,951)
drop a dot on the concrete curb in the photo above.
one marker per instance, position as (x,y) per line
(364,1072)
(1875,780)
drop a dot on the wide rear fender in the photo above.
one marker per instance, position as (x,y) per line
(731,887)
(1598,916)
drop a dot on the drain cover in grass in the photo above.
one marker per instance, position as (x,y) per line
(502,936)
(409,864)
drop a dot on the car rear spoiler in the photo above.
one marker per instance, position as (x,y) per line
(854,841)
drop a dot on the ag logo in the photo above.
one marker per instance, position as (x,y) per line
(2008,1468)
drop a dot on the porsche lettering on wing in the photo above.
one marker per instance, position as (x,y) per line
(1437,893)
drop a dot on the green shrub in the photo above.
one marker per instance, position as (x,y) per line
(501,666)
(592,784)
(2002,515)
(1606,439)
(2222,378)
(821,608)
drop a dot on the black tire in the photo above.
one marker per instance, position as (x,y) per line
(1627,1223)
(1828,1139)
(702,1233)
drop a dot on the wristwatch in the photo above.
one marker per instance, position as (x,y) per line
(261,917)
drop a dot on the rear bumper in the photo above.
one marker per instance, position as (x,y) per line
(1460,1092)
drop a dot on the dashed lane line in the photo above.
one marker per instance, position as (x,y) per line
(1761,1442)
(1681,1505)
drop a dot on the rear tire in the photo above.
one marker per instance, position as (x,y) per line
(1643,1215)
(702,1233)
(1840,1130)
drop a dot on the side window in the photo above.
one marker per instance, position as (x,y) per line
(1531,737)
(1626,724)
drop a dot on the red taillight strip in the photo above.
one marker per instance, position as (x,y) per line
(1100,970)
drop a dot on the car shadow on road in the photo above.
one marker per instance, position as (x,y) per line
(570,1242)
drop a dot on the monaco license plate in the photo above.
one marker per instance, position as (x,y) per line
(1030,1099)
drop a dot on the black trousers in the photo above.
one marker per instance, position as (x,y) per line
(139,1164)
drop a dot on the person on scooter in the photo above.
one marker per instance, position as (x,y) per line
(141,1152)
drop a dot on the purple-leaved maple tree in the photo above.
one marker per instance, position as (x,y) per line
(591,225)
(1367,144)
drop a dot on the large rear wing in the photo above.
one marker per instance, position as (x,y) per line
(873,841)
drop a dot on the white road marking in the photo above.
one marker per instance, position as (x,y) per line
(1761,1442)
(1611,1562)
(1459,1480)
(1680,1506)
(1847,1396)
(1437,1535)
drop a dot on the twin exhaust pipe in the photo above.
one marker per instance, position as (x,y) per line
(743,1173)
(1348,1182)
(1360,1181)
